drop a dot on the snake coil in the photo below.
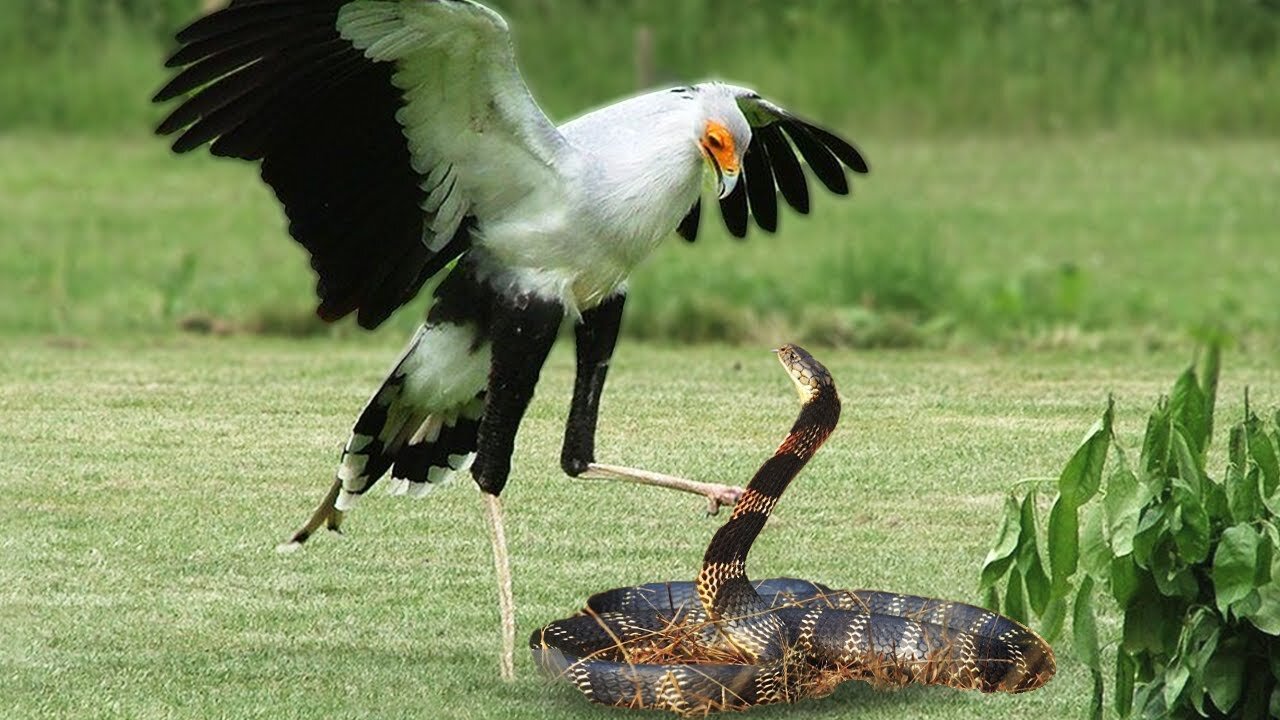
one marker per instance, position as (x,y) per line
(724,642)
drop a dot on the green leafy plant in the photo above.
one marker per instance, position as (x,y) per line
(1191,563)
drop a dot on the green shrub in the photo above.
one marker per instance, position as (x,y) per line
(1192,562)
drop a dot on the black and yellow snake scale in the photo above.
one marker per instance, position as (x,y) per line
(724,642)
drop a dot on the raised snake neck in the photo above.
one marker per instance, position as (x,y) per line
(727,643)
(727,595)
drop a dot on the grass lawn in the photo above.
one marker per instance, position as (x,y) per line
(147,482)
(1130,240)
(149,474)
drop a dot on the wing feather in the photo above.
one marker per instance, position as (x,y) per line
(770,164)
(822,161)
(465,102)
(688,228)
(218,44)
(243,14)
(733,209)
(840,147)
(786,168)
(763,194)
(388,129)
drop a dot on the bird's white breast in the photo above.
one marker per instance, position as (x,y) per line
(635,176)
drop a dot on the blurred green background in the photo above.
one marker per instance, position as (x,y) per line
(1044,172)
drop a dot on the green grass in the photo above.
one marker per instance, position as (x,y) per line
(1087,241)
(146,484)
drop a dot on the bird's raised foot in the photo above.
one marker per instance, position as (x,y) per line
(721,496)
(717,495)
(294,544)
(325,514)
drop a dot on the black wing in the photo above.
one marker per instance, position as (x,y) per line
(272,80)
(770,166)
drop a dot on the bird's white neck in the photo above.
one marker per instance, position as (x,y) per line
(638,172)
(648,170)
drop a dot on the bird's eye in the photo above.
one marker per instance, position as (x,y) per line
(715,142)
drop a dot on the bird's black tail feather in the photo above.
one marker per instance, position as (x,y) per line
(423,422)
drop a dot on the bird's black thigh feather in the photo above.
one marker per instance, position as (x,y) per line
(596,337)
(521,331)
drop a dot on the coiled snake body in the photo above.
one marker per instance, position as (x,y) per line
(726,643)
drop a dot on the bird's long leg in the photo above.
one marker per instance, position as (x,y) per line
(596,337)
(502,568)
(717,495)
(522,332)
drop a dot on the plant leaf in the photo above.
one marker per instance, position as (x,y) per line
(1095,556)
(1224,676)
(1095,703)
(1147,701)
(1263,453)
(1027,549)
(1028,558)
(1038,587)
(1142,625)
(991,599)
(1234,564)
(1190,465)
(1055,613)
(1155,446)
(1146,628)
(1210,367)
(1123,506)
(1015,604)
(1064,543)
(1126,670)
(1189,410)
(1084,626)
(1151,527)
(1200,634)
(1175,680)
(1124,579)
(1082,475)
(1215,503)
(1268,544)
(1266,616)
(1191,530)
(1243,495)
(1000,557)
(1173,578)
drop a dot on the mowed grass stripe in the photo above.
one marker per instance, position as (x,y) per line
(146,485)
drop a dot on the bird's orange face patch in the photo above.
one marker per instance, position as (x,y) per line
(717,144)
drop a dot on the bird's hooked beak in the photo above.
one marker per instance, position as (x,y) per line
(726,180)
(726,183)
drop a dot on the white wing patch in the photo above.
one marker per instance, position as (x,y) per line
(475,136)
(429,431)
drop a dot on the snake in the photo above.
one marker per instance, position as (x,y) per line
(725,642)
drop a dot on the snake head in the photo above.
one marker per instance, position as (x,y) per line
(809,375)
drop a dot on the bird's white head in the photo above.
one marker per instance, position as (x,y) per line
(723,133)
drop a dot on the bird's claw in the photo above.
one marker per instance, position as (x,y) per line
(722,496)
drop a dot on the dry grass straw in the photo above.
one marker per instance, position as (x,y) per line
(690,639)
